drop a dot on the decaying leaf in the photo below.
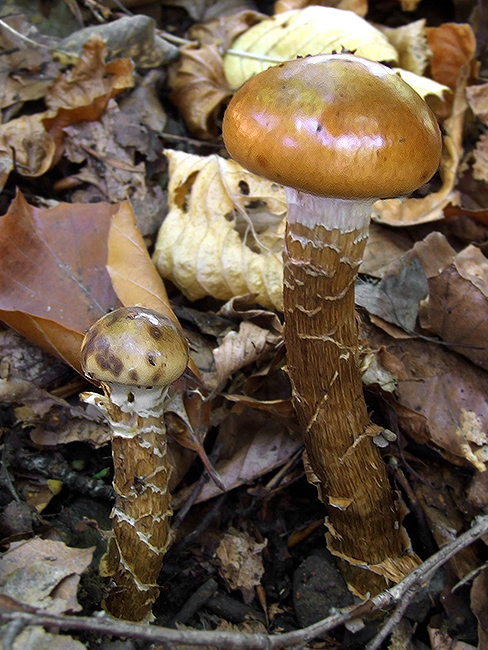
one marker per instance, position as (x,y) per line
(410,41)
(441,399)
(360,7)
(253,444)
(457,305)
(425,87)
(313,30)
(239,349)
(240,562)
(44,574)
(31,144)
(26,73)
(199,88)
(214,241)
(65,267)
(132,37)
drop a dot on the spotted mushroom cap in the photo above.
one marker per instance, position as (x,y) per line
(134,346)
(334,125)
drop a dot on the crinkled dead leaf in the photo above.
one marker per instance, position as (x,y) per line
(441,399)
(313,30)
(457,305)
(25,146)
(453,47)
(44,574)
(26,72)
(407,211)
(397,296)
(211,242)
(477,97)
(480,159)
(131,37)
(479,605)
(240,562)
(253,444)
(241,348)
(410,41)
(38,638)
(383,247)
(199,88)
(360,7)
(31,144)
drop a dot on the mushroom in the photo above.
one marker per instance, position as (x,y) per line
(339,132)
(135,354)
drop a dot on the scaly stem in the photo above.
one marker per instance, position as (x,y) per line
(142,511)
(321,335)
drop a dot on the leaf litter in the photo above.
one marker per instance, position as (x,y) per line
(89,141)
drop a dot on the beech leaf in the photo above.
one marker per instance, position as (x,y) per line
(313,30)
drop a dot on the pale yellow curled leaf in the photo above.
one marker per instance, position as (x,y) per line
(301,32)
(424,86)
(223,235)
(407,211)
(410,41)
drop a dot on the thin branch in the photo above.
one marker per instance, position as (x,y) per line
(226,640)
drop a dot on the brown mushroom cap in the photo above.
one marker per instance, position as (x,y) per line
(134,346)
(334,125)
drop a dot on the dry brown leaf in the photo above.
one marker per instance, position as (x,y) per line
(477,97)
(457,306)
(441,399)
(313,30)
(359,7)
(479,606)
(199,247)
(132,37)
(25,146)
(407,211)
(252,445)
(26,72)
(239,349)
(199,88)
(480,159)
(383,247)
(453,47)
(44,574)
(240,562)
(410,41)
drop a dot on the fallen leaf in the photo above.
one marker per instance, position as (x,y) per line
(199,88)
(133,37)
(477,97)
(38,638)
(360,7)
(397,296)
(383,247)
(410,41)
(313,30)
(457,304)
(26,72)
(479,606)
(199,247)
(240,562)
(44,574)
(252,445)
(441,399)
(241,348)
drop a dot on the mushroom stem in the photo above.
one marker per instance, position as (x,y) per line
(135,354)
(325,242)
(142,510)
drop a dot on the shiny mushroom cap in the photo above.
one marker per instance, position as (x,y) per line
(134,346)
(334,125)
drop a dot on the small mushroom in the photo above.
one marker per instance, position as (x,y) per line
(339,132)
(135,354)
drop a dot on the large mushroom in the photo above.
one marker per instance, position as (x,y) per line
(339,132)
(135,354)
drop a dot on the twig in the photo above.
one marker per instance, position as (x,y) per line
(226,640)
(12,631)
